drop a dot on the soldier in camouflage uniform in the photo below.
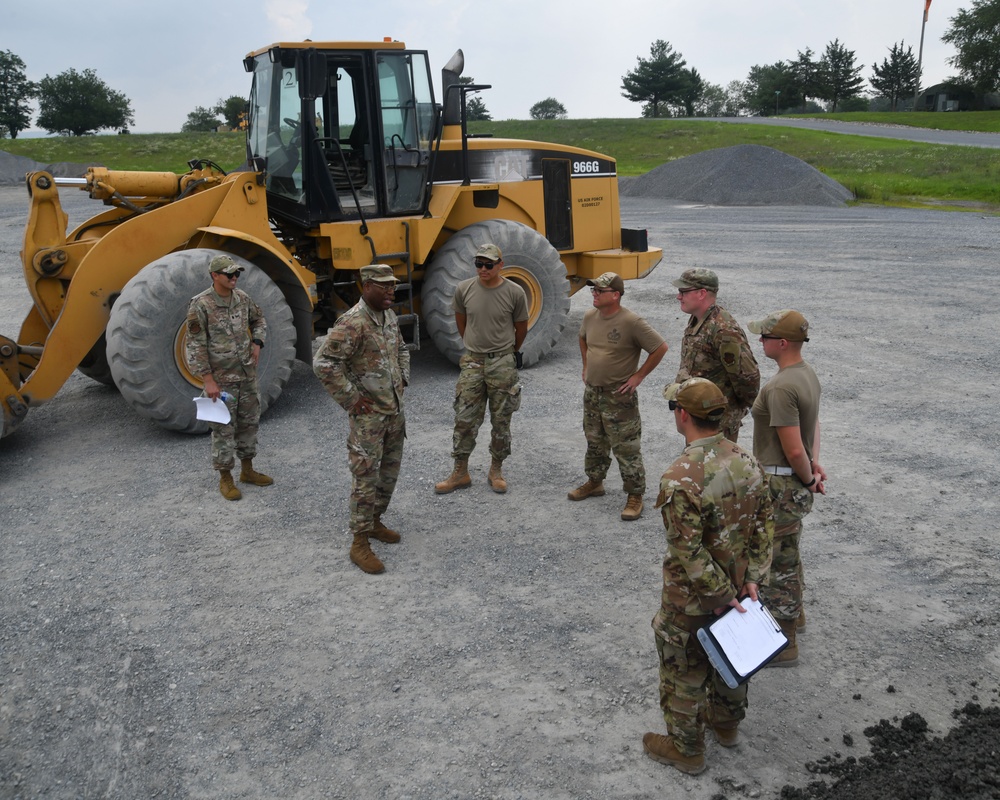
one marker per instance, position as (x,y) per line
(491,313)
(717,514)
(786,442)
(715,347)
(225,333)
(364,365)
(611,340)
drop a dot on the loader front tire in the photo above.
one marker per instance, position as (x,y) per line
(95,364)
(529,260)
(146,335)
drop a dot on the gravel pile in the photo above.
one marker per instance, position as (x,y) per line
(14,168)
(743,175)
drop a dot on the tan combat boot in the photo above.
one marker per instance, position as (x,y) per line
(726,733)
(227,487)
(458,479)
(495,478)
(788,657)
(800,623)
(633,507)
(362,555)
(662,748)
(249,475)
(591,488)
(382,533)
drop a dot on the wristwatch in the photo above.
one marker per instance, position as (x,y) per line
(258,342)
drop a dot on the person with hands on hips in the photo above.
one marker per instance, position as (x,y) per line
(612,338)
(364,364)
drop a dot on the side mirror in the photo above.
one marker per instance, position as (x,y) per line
(311,69)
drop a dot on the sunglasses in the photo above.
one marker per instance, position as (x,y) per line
(768,336)
(595,290)
(685,291)
(672,405)
(485,264)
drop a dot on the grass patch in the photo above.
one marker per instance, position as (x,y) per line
(884,171)
(978,121)
(156,152)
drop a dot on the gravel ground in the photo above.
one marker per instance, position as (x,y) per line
(157,641)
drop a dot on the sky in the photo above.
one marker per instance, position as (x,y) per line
(169,57)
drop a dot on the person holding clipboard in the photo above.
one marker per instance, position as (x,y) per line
(717,513)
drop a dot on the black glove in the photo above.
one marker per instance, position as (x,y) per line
(518,359)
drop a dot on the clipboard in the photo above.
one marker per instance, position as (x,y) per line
(738,644)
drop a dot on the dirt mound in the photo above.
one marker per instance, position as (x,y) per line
(907,765)
(13,168)
(744,175)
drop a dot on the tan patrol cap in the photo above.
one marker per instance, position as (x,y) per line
(490,251)
(225,265)
(699,397)
(380,273)
(787,324)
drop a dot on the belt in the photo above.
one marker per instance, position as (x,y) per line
(784,471)
(497,354)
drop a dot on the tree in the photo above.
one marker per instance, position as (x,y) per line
(771,89)
(549,108)
(840,77)
(475,108)
(808,78)
(80,103)
(692,91)
(976,36)
(233,110)
(15,92)
(200,120)
(897,77)
(657,80)
(712,102)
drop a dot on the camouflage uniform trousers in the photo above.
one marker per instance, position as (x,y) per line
(493,380)
(782,593)
(690,688)
(237,438)
(612,424)
(732,421)
(374,453)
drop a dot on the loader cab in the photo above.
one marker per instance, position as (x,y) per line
(342,131)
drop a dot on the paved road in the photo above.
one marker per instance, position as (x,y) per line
(966,138)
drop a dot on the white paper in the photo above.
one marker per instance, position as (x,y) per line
(747,639)
(211,410)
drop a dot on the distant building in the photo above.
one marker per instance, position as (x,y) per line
(949,97)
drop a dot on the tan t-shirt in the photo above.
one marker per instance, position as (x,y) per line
(490,314)
(614,345)
(790,398)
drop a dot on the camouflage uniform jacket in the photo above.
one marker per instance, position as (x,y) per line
(220,331)
(717,512)
(716,348)
(362,355)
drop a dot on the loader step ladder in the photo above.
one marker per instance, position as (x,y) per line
(405,311)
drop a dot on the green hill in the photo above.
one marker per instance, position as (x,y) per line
(884,171)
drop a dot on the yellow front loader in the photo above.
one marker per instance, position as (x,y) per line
(350,161)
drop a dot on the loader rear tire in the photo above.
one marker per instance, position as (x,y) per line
(529,260)
(146,335)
